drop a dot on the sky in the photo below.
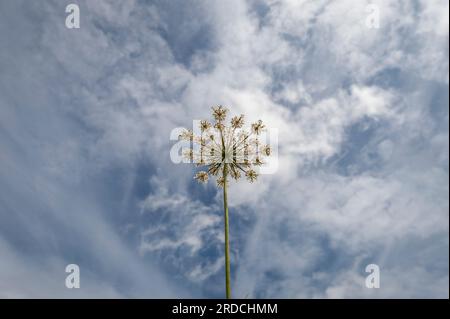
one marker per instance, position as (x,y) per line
(86,176)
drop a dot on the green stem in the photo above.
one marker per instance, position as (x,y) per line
(227,239)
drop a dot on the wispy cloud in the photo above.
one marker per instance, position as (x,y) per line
(86,176)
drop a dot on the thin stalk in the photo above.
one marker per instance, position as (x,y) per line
(225,211)
(227,239)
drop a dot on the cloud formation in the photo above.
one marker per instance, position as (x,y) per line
(86,175)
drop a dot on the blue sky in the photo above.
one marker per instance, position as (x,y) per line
(86,176)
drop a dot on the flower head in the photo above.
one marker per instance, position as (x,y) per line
(251,175)
(204,125)
(201,176)
(219,146)
(257,127)
(237,122)
(219,113)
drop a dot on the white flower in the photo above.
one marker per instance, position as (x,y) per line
(219,145)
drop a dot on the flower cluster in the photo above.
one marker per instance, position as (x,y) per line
(226,150)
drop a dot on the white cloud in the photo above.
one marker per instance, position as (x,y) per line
(363,159)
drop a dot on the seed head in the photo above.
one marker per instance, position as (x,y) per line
(237,121)
(201,176)
(204,125)
(251,175)
(219,113)
(258,127)
(219,145)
